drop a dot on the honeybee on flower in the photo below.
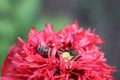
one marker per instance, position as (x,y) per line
(70,54)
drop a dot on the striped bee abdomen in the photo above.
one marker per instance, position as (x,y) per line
(42,49)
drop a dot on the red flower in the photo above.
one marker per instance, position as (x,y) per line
(70,54)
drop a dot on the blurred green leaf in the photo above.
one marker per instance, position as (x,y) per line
(27,10)
(7,29)
(4,5)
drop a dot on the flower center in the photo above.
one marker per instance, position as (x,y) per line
(67,55)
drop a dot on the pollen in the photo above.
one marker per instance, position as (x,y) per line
(66,55)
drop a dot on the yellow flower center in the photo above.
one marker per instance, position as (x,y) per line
(67,55)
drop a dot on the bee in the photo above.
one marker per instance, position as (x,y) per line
(42,50)
(69,54)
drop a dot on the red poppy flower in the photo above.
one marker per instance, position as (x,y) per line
(70,54)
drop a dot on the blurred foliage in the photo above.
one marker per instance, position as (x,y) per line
(16,19)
